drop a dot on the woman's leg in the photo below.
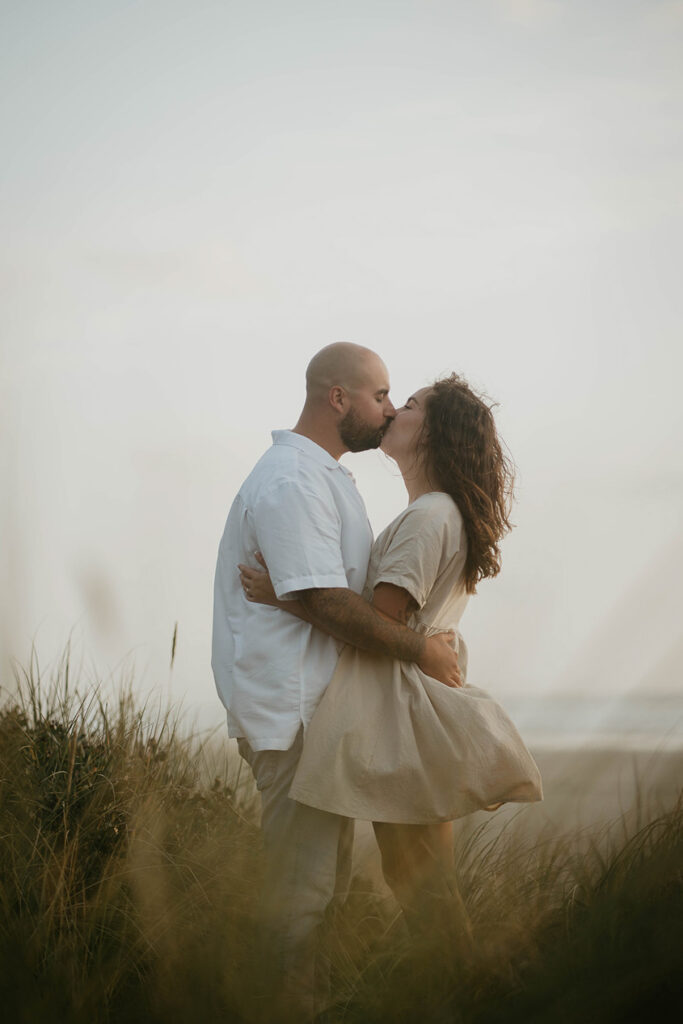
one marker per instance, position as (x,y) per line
(417,863)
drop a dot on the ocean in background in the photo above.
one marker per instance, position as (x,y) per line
(629,721)
(558,721)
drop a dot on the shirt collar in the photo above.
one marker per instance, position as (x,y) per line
(304,444)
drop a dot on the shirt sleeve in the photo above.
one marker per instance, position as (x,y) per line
(424,543)
(298,531)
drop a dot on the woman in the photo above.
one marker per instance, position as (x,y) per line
(387,743)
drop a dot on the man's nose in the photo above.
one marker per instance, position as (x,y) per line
(389,408)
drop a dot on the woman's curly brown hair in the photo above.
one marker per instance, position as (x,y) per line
(465,457)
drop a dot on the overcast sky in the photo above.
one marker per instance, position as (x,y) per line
(198,196)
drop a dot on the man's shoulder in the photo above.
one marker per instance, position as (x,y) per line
(282,468)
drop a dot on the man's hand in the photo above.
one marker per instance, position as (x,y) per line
(396,604)
(346,616)
(440,661)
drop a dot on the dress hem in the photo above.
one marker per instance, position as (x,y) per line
(401,819)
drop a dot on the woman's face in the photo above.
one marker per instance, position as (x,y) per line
(400,440)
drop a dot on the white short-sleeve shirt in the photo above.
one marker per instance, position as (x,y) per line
(301,509)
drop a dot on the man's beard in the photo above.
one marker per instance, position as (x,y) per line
(357,435)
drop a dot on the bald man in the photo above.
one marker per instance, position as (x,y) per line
(300,508)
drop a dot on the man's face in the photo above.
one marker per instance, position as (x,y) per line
(370,412)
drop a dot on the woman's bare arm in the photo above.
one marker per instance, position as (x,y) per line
(393,602)
(258,589)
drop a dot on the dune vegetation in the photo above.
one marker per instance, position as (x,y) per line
(130,866)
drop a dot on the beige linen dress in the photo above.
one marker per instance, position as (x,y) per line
(389,743)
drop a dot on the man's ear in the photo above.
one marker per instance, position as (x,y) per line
(338,398)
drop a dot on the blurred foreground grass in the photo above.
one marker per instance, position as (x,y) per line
(130,863)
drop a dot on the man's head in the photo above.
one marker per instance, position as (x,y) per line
(350,383)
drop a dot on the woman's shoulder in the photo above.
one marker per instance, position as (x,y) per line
(435,505)
(419,546)
(433,512)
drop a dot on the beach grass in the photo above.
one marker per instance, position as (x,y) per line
(131,861)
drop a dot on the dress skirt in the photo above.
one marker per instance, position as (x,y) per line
(388,743)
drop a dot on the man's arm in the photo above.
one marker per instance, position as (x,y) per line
(379,627)
(349,618)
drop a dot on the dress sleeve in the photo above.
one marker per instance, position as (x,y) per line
(298,531)
(423,544)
